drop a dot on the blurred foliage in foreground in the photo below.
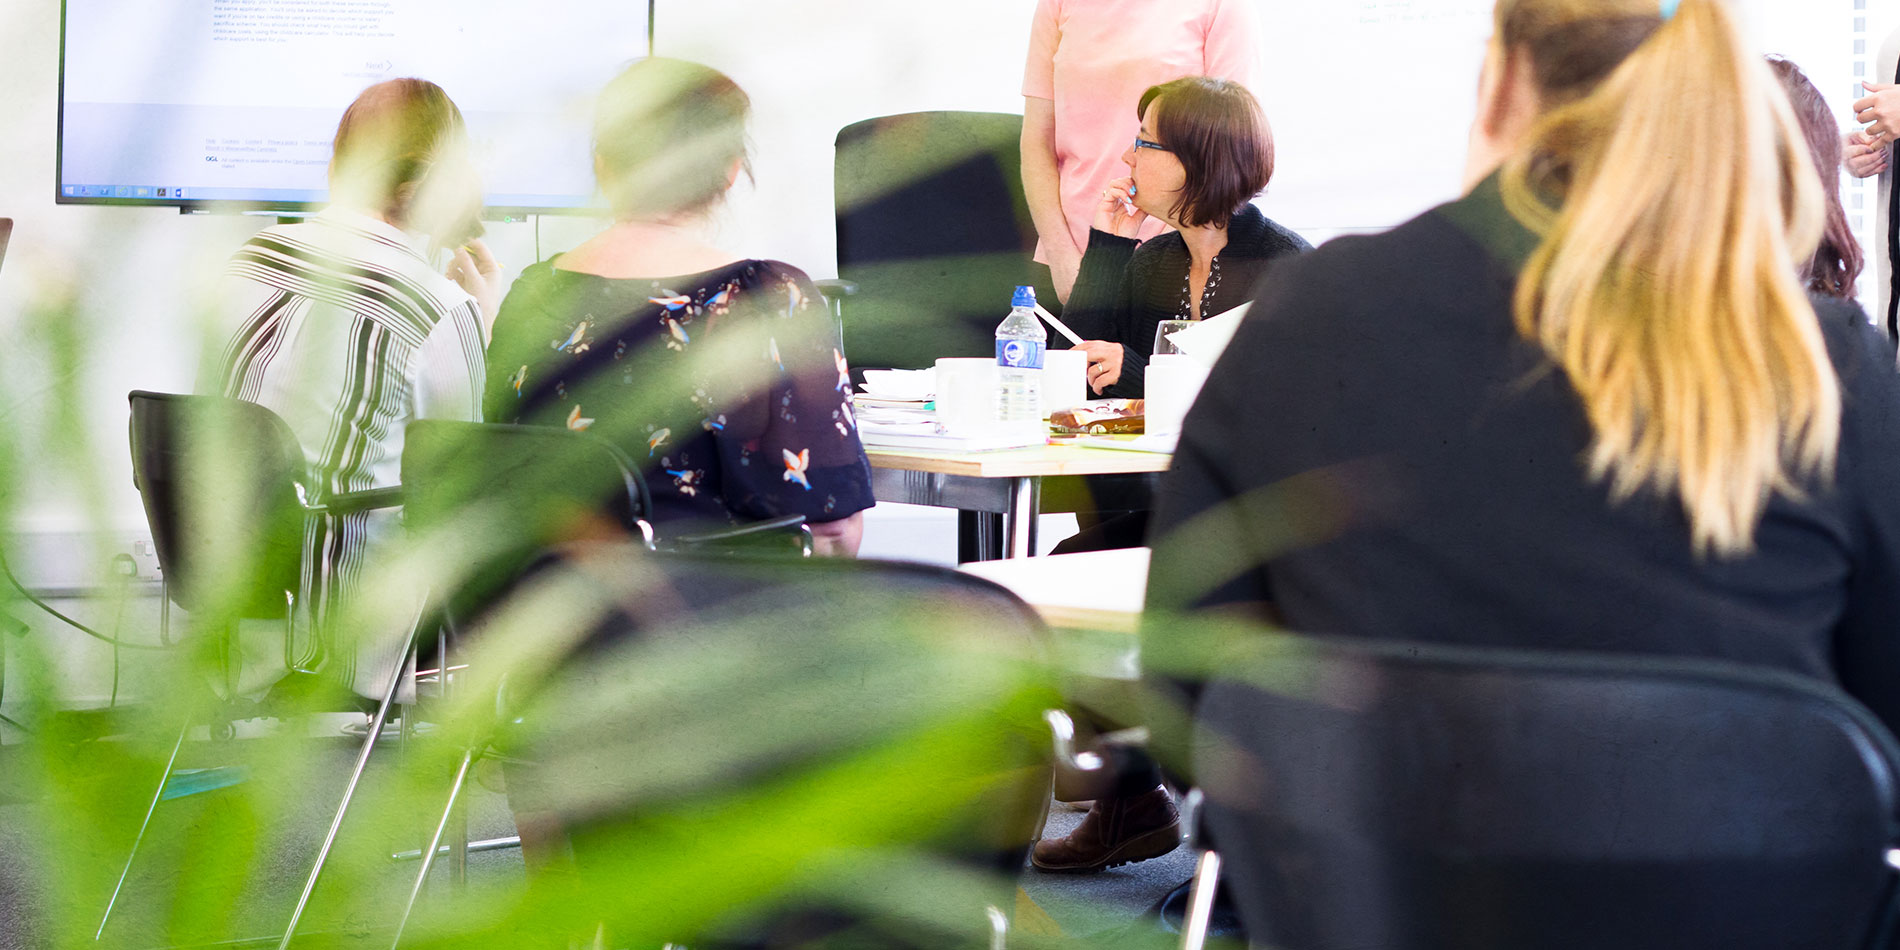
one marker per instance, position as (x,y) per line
(792,753)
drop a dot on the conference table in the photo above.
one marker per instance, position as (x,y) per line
(1094,590)
(1005,482)
(1094,599)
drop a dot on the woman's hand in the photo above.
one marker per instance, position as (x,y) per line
(1117,213)
(476,271)
(1862,156)
(1880,111)
(1105,363)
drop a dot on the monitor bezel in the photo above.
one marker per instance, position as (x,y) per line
(258,206)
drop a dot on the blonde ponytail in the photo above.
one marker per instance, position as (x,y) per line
(1676,201)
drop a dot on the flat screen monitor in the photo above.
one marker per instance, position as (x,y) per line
(214,104)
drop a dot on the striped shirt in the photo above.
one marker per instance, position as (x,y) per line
(339,325)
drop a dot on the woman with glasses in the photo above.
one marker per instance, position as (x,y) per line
(1087,60)
(1204,151)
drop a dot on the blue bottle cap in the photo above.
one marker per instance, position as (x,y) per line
(1025,297)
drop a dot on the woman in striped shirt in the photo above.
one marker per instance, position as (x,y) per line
(342,326)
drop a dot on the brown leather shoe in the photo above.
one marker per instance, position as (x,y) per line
(1116,831)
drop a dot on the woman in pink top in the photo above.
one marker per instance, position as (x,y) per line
(1088,59)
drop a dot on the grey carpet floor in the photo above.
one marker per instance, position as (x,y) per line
(1109,904)
(1104,909)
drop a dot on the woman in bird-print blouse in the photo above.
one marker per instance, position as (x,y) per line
(724,380)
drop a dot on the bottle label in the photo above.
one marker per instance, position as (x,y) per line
(1021,354)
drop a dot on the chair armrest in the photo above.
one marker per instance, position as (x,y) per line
(835,289)
(1084,775)
(1193,806)
(755,535)
(355,501)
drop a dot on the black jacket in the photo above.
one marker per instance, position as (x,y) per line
(1126,288)
(1413,469)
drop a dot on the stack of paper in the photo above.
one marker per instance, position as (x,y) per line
(896,410)
(901,383)
(1161,444)
(933,437)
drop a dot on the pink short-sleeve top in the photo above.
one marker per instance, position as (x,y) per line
(1094,58)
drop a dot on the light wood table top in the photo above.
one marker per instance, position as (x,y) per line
(1093,600)
(1033,462)
(1097,590)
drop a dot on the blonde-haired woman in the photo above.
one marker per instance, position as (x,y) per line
(1587,407)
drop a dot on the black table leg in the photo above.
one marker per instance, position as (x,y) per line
(979,536)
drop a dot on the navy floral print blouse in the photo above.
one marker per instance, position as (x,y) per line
(727,388)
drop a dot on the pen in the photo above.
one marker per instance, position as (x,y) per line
(1061,327)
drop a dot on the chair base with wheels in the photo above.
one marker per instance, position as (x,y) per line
(223,482)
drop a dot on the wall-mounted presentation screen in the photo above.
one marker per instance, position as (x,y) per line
(209,103)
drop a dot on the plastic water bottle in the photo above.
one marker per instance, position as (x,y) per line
(1020,340)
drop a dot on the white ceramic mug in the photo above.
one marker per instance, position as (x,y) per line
(1173,382)
(1065,375)
(966,395)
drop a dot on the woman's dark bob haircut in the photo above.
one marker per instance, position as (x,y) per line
(1215,127)
(667,134)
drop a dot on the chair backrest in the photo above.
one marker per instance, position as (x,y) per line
(543,477)
(934,230)
(1407,797)
(220,480)
(507,491)
(847,707)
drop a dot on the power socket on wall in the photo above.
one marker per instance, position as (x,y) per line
(64,563)
(145,558)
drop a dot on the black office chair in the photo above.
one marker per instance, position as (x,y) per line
(526,486)
(223,483)
(900,703)
(1412,797)
(500,495)
(933,235)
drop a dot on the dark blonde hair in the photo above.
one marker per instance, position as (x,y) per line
(390,139)
(1675,198)
(666,135)
(1217,130)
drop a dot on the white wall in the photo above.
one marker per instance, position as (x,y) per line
(812,68)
